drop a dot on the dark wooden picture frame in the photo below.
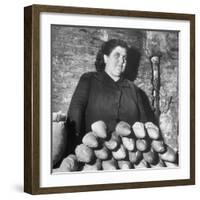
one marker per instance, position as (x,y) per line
(32,98)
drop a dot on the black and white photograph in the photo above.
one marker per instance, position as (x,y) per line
(109,99)
(114,99)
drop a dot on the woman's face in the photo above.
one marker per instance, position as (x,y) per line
(116,62)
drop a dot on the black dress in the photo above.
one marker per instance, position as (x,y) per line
(98,97)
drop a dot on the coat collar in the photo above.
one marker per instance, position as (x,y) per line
(105,78)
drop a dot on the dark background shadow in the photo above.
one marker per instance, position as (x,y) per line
(147,107)
(133,60)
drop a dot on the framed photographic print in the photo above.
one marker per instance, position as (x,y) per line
(109,99)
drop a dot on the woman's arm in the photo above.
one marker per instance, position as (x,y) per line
(146,112)
(76,112)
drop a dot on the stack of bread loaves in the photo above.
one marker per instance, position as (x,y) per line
(139,146)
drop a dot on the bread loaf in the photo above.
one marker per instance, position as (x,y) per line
(84,153)
(151,157)
(141,144)
(129,143)
(92,166)
(124,164)
(113,142)
(110,164)
(158,146)
(135,156)
(90,140)
(141,164)
(69,164)
(102,153)
(170,155)
(138,129)
(152,130)
(123,129)
(99,129)
(120,153)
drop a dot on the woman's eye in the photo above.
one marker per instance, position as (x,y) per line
(117,55)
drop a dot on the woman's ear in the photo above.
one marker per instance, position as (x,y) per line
(105,57)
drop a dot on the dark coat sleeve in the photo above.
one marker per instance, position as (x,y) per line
(76,112)
(146,112)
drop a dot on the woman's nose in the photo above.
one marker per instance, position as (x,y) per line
(120,60)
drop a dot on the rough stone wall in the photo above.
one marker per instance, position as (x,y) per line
(74,51)
(165,45)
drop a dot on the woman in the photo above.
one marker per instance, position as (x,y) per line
(105,95)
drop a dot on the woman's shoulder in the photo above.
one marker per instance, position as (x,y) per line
(92,76)
(136,89)
(88,75)
(132,85)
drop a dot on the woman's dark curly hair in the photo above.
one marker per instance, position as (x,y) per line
(106,49)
